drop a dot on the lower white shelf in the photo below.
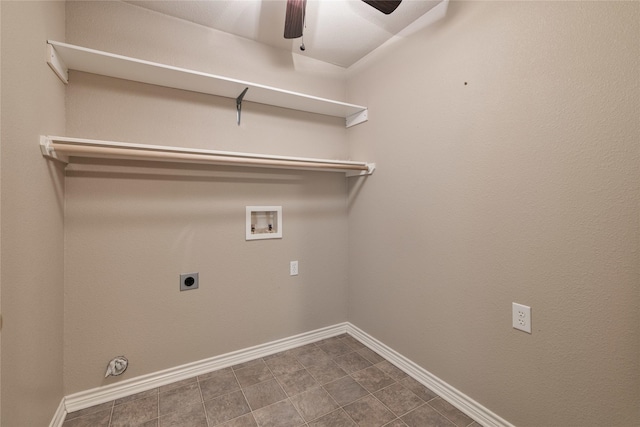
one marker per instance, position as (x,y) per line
(65,149)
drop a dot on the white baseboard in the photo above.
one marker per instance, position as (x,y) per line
(452,395)
(99,395)
(58,417)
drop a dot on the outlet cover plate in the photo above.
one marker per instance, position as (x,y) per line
(293,268)
(188,281)
(521,317)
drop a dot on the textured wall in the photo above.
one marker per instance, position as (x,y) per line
(32,217)
(128,235)
(521,184)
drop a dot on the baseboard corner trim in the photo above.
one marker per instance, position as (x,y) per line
(466,404)
(96,396)
(60,414)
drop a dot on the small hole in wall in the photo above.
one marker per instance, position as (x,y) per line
(465,83)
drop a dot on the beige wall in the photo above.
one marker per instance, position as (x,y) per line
(129,235)
(521,185)
(0,214)
(32,217)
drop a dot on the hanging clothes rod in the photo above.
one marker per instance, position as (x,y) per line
(62,149)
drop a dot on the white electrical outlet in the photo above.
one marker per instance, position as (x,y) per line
(293,268)
(521,317)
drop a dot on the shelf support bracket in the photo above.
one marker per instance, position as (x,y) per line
(48,151)
(239,105)
(57,64)
(357,118)
(371,167)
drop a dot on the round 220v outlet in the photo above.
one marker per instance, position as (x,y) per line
(188,281)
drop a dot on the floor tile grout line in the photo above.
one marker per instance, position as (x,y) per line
(204,408)
(277,382)
(320,385)
(395,381)
(405,413)
(243,395)
(111,412)
(274,377)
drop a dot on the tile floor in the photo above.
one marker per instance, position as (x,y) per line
(331,383)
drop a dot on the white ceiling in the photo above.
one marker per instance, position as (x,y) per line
(339,32)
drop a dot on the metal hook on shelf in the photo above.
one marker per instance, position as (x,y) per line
(239,104)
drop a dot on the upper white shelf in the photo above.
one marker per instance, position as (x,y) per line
(62,57)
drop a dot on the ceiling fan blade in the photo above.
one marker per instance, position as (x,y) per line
(385,7)
(294,18)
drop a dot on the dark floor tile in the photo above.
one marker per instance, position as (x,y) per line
(373,379)
(253,374)
(90,410)
(218,383)
(283,365)
(278,354)
(396,423)
(297,382)
(345,390)
(179,397)
(187,415)
(243,421)
(247,364)
(264,394)
(418,389)
(352,342)
(312,356)
(369,412)
(331,340)
(215,373)
(135,412)
(226,407)
(398,399)
(93,419)
(426,416)
(454,415)
(391,370)
(141,395)
(302,349)
(177,384)
(326,371)
(337,418)
(314,403)
(335,348)
(370,355)
(281,414)
(352,362)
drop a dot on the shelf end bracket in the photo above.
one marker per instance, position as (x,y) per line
(57,64)
(46,147)
(371,167)
(239,105)
(357,118)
